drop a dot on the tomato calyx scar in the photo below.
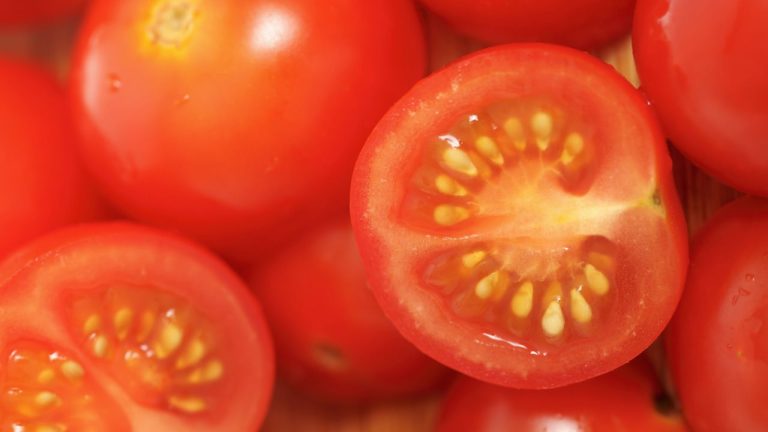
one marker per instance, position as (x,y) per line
(171,23)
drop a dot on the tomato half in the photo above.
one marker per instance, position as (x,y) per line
(332,340)
(42,185)
(578,23)
(624,400)
(517,217)
(118,327)
(699,64)
(24,12)
(234,121)
(718,342)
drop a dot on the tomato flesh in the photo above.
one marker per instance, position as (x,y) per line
(509,210)
(165,329)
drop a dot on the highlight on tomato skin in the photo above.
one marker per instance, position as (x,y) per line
(134,327)
(626,400)
(42,183)
(237,122)
(332,340)
(699,66)
(716,343)
(517,217)
(583,24)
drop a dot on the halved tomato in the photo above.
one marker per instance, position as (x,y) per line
(518,220)
(118,327)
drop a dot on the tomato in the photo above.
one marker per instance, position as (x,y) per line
(517,217)
(332,340)
(122,326)
(24,12)
(42,185)
(445,45)
(624,400)
(579,23)
(697,62)
(717,345)
(235,121)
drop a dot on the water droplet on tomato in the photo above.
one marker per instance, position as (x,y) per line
(749,277)
(115,83)
(183,100)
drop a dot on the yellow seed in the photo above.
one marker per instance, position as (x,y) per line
(145,325)
(72,370)
(47,399)
(487,285)
(458,160)
(514,128)
(596,280)
(213,371)
(573,146)
(448,186)
(48,428)
(553,322)
(46,376)
(169,339)
(488,148)
(192,354)
(92,324)
(122,322)
(100,345)
(190,405)
(522,302)
(580,309)
(542,125)
(447,215)
(472,259)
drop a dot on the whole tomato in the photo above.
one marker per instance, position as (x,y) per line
(235,121)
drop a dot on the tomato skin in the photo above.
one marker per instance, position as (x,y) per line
(622,400)
(716,342)
(342,348)
(16,13)
(394,266)
(581,24)
(231,145)
(43,185)
(697,64)
(48,273)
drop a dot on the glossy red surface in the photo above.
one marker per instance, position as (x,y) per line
(622,400)
(704,67)
(718,341)
(27,12)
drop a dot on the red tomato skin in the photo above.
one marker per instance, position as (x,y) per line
(92,254)
(532,372)
(42,183)
(699,64)
(319,277)
(27,12)
(716,343)
(236,146)
(581,24)
(622,400)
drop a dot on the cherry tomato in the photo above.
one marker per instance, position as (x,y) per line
(332,340)
(118,327)
(701,66)
(517,217)
(624,400)
(24,12)
(579,23)
(42,185)
(234,121)
(717,343)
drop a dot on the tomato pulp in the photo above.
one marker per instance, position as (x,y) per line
(119,327)
(517,217)
(235,121)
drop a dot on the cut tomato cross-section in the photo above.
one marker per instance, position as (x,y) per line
(517,217)
(118,327)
